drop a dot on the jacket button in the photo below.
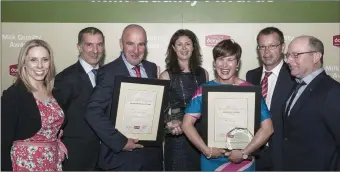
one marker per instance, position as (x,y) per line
(286,138)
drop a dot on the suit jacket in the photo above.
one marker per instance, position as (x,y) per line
(284,84)
(98,115)
(72,90)
(312,130)
(20,119)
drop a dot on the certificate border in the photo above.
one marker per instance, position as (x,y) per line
(228,88)
(116,93)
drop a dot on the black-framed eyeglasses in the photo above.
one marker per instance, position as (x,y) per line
(269,47)
(296,55)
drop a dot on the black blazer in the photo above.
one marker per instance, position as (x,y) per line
(312,130)
(20,119)
(72,90)
(98,113)
(284,84)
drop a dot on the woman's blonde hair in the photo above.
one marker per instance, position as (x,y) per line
(22,75)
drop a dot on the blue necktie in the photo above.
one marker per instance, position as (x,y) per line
(94,72)
(297,87)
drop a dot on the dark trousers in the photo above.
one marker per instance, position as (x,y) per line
(145,159)
(82,153)
(263,159)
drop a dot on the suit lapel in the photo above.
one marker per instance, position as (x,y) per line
(122,67)
(147,69)
(257,76)
(83,75)
(281,88)
(307,93)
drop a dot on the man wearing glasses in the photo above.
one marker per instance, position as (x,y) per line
(276,82)
(312,111)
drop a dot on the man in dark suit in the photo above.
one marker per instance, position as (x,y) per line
(117,151)
(312,112)
(73,88)
(276,83)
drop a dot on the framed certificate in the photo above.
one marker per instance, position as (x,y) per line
(227,107)
(137,108)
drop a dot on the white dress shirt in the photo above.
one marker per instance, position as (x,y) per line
(88,69)
(133,72)
(271,81)
(308,79)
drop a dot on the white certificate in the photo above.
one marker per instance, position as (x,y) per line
(139,110)
(227,110)
(229,113)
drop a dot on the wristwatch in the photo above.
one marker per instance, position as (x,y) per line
(244,156)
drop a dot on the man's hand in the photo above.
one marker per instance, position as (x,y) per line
(132,144)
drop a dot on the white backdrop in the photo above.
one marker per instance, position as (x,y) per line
(63,38)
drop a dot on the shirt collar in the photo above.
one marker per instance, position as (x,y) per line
(309,78)
(276,69)
(87,67)
(128,65)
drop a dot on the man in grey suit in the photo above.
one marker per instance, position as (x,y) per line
(117,151)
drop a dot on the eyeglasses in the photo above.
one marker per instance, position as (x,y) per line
(269,47)
(296,55)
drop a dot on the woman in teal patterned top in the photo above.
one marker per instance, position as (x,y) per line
(227,56)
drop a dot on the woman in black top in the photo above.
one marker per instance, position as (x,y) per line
(183,69)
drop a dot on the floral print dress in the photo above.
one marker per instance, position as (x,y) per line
(44,151)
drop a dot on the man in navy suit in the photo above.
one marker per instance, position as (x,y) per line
(276,82)
(72,88)
(312,112)
(117,151)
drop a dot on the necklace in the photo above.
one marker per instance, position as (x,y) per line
(182,88)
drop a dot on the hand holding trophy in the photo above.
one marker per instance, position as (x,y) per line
(173,121)
(238,139)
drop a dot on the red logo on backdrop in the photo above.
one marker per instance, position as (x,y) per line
(13,70)
(336,40)
(212,40)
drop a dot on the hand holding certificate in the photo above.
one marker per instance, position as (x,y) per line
(231,115)
(137,106)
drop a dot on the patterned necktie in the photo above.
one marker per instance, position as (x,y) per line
(264,84)
(137,69)
(297,87)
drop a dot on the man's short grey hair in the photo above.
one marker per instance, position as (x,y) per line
(316,45)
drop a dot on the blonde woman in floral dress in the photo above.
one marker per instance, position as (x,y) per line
(31,117)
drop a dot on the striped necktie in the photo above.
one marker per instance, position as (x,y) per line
(137,69)
(264,84)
